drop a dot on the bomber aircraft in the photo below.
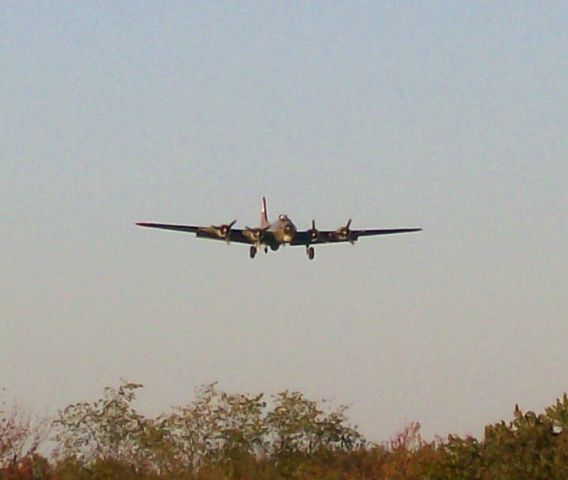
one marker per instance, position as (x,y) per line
(279,233)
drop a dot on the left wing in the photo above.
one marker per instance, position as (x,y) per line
(383,231)
(315,237)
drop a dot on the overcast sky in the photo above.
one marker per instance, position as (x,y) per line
(451,116)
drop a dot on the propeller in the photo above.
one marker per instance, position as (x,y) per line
(224,230)
(254,234)
(313,232)
(344,232)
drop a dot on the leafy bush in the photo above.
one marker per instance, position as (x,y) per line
(287,436)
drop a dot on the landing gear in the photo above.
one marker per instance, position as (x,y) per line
(311,252)
(252,252)
(265,249)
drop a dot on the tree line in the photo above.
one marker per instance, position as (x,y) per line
(222,435)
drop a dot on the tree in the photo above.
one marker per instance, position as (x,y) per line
(20,438)
(299,425)
(107,429)
(20,435)
(216,426)
(531,446)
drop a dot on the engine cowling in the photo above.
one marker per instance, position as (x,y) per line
(344,232)
(254,235)
(222,231)
(313,233)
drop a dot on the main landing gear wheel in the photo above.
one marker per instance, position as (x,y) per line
(311,252)
(252,252)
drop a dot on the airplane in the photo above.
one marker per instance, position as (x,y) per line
(277,234)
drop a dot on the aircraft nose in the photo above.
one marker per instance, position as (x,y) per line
(290,229)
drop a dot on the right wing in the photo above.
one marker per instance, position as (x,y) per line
(211,232)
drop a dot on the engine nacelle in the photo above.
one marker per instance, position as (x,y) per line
(344,232)
(254,235)
(313,233)
(222,231)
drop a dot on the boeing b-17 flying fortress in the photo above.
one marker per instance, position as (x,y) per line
(279,233)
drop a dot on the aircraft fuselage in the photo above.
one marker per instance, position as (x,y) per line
(283,230)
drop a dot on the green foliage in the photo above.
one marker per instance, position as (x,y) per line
(106,429)
(525,448)
(558,414)
(299,425)
(217,432)
(531,446)
(236,436)
(215,427)
(461,458)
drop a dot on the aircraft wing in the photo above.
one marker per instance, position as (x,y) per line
(234,235)
(383,231)
(331,236)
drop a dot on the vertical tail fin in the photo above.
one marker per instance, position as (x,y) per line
(263,214)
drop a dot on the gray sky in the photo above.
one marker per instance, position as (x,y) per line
(452,116)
